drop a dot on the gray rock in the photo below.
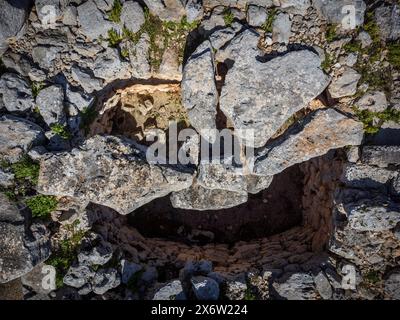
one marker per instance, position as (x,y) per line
(395,186)
(353,154)
(40,274)
(333,12)
(381,156)
(70,16)
(45,56)
(202,267)
(132,16)
(296,286)
(105,5)
(22,248)
(17,136)
(171,291)
(171,10)
(205,288)
(78,276)
(50,102)
(281,28)
(366,177)
(263,96)
(122,178)
(256,16)
(78,99)
(235,289)
(95,251)
(373,101)
(221,37)
(376,215)
(92,22)
(15,93)
(388,21)
(365,39)
(345,85)
(199,198)
(104,280)
(138,56)
(199,92)
(318,133)
(6,179)
(293,6)
(86,79)
(48,11)
(108,66)
(392,285)
(12,19)
(323,286)
(255,184)
(194,10)
(128,269)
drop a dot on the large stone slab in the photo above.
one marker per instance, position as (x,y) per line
(112,172)
(262,96)
(318,133)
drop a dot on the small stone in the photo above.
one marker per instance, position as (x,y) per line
(381,156)
(86,79)
(129,269)
(205,288)
(78,276)
(132,16)
(104,280)
(281,28)
(345,85)
(323,286)
(373,101)
(256,16)
(70,17)
(171,291)
(15,93)
(50,102)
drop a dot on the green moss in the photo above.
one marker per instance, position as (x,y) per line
(371,27)
(394,55)
(115,13)
(26,169)
(248,295)
(61,130)
(267,26)
(63,258)
(327,63)
(330,33)
(353,47)
(9,193)
(373,277)
(228,17)
(373,120)
(36,88)
(114,38)
(42,206)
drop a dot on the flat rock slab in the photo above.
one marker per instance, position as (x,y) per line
(262,96)
(112,172)
(318,133)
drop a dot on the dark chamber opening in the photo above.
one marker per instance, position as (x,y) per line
(269,212)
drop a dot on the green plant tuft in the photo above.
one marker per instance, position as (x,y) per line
(61,130)
(114,38)
(267,26)
(330,33)
(373,120)
(115,13)
(36,88)
(41,205)
(228,17)
(26,169)
(394,55)
(327,63)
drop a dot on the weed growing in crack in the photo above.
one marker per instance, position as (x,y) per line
(61,130)
(267,26)
(115,13)
(41,206)
(373,120)
(228,17)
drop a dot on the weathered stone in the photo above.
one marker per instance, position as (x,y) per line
(345,85)
(122,179)
(323,286)
(45,56)
(171,291)
(255,184)
(205,288)
(129,269)
(138,56)
(281,28)
(94,251)
(194,10)
(395,186)
(373,101)
(262,96)
(12,19)
(375,215)
(381,156)
(104,280)
(78,276)
(86,79)
(167,10)
(199,92)
(293,6)
(365,39)
(92,22)
(78,99)
(48,11)
(39,275)
(296,286)
(388,21)
(108,66)
(70,16)
(392,285)
(366,177)
(6,179)
(21,249)
(132,16)
(335,12)
(17,136)
(318,133)
(199,198)
(50,102)
(256,16)
(15,93)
